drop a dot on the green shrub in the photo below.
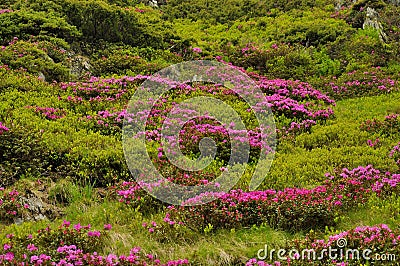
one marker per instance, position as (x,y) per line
(48,240)
(131,61)
(25,23)
(33,57)
(360,50)
(302,168)
(358,83)
(102,22)
(22,154)
(280,61)
(63,192)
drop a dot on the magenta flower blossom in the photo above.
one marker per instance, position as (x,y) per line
(94,233)
(49,112)
(337,194)
(31,247)
(2,11)
(78,227)
(66,224)
(197,50)
(3,128)
(372,144)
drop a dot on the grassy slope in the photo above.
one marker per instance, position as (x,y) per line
(233,246)
(300,163)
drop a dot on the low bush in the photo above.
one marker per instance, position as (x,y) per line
(290,209)
(71,244)
(389,126)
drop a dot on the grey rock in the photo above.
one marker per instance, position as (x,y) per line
(79,65)
(18,221)
(372,20)
(153,3)
(394,2)
(37,209)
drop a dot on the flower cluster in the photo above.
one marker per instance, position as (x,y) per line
(71,247)
(3,128)
(390,125)
(387,185)
(373,144)
(295,128)
(379,239)
(139,10)
(107,122)
(295,99)
(291,208)
(132,193)
(2,11)
(167,230)
(100,89)
(395,153)
(10,205)
(256,262)
(226,137)
(358,83)
(196,50)
(49,112)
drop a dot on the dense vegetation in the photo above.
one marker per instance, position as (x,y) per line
(68,69)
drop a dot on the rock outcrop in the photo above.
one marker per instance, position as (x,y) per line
(79,65)
(372,20)
(38,208)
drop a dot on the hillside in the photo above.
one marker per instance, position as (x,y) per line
(284,114)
